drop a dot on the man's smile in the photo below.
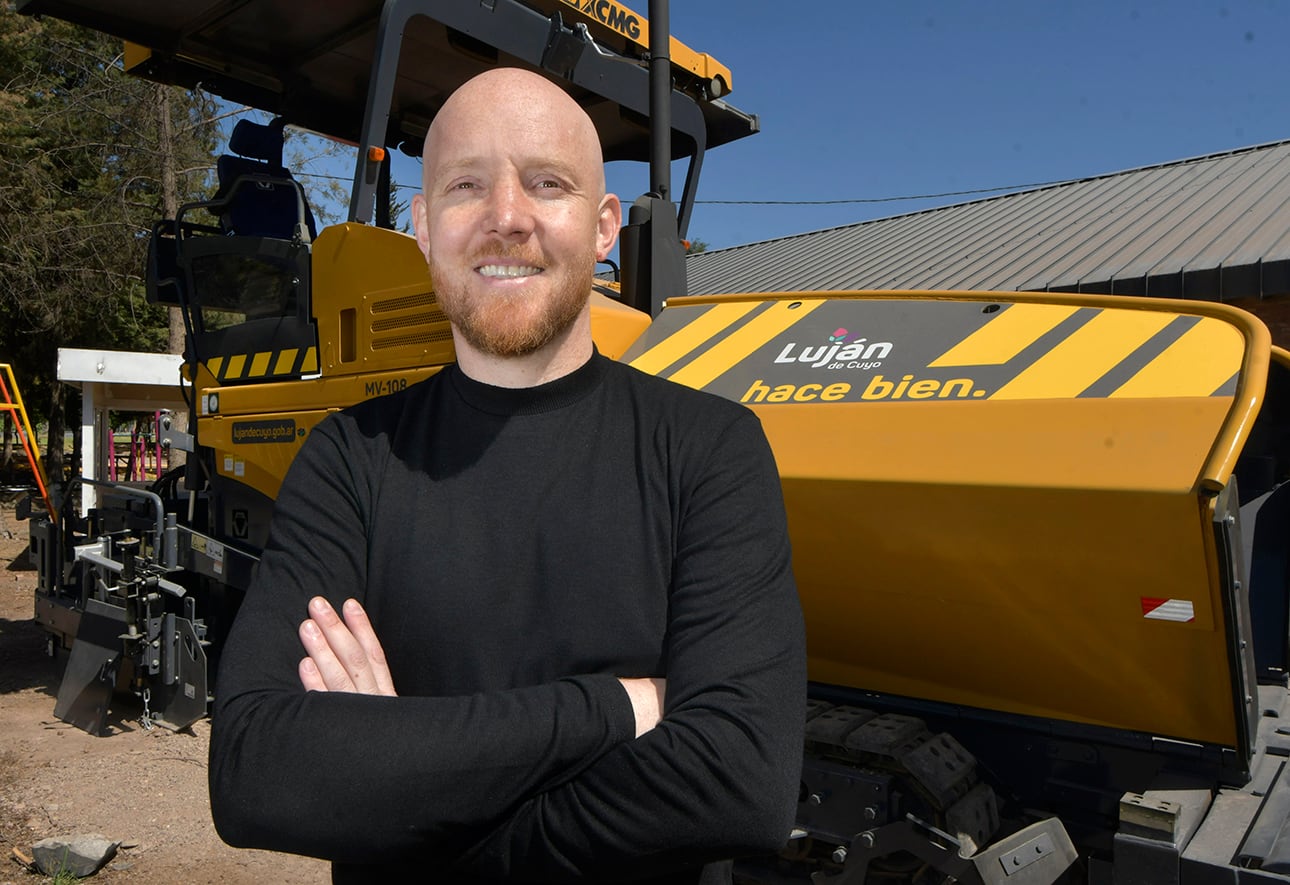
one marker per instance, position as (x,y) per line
(504,271)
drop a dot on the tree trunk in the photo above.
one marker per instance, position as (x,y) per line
(78,438)
(6,459)
(169,193)
(169,208)
(57,431)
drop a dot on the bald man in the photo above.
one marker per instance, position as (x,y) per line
(532,619)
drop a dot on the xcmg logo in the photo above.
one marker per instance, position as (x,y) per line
(624,21)
(838,353)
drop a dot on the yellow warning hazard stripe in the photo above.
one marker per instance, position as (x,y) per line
(1086,355)
(1067,347)
(1198,364)
(707,365)
(693,334)
(287,362)
(1005,336)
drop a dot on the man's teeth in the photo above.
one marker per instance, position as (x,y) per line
(509,270)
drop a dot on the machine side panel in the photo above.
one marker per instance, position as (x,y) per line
(998,501)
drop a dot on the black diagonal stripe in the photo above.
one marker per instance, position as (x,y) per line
(716,339)
(1228,387)
(1135,362)
(1040,347)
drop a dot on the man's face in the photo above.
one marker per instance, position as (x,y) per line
(514,215)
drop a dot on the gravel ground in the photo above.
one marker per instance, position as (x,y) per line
(146,789)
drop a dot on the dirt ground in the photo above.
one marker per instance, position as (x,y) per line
(146,789)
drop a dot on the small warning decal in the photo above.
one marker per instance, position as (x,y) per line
(1180,610)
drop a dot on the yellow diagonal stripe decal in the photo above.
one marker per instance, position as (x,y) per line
(1197,364)
(286,360)
(311,361)
(235,364)
(726,353)
(1005,336)
(214,364)
(260,364)
(1090,352)
(690,336)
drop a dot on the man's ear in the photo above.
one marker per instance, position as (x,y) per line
(421,224)
(608,222)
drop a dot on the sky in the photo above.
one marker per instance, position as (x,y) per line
(880,100)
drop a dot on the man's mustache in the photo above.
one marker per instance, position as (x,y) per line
(507,252)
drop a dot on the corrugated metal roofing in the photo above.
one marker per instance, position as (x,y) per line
(1215,228)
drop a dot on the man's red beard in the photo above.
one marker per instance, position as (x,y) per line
(514,325)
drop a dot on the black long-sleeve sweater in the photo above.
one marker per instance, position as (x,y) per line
(517,550)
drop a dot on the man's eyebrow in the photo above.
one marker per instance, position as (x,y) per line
(439,170)
(552,164)
(556,165)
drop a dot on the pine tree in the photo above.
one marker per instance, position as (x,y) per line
(86,167)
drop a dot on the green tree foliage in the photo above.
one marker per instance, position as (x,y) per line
(82,157)
(400,217)
(321,165)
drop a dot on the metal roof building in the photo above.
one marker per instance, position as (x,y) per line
(1215,228)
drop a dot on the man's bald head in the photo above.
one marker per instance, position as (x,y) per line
(512,221)
(516,101)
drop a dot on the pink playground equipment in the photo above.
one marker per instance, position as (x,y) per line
(136,456)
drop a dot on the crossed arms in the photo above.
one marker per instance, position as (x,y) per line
(590,776)
(346,655)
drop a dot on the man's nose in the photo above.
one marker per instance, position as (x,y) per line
(510,210)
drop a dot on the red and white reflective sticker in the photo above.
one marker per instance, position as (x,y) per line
(1180,610)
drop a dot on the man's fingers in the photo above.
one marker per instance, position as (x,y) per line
(342,650)
(361,629)
(310,678)
(331,673)
(345,655)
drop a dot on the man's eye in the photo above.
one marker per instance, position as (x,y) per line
(549,182)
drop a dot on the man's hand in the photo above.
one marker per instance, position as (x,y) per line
(342,655)
(647,701)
